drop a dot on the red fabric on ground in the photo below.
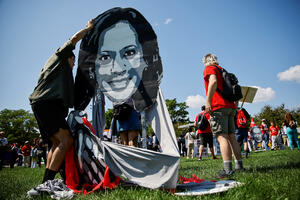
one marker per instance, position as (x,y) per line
(72,177)
(194,179)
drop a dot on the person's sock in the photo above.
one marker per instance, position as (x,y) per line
(239,164)
(45,175)
(227,166)
(51,174)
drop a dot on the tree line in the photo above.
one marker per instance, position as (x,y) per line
(20,125)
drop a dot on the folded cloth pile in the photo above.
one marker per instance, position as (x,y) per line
(55,188)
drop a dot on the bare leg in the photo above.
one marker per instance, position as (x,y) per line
(235,147)
(201,151)
(124,137)
(58,154)
(245,146)
(132,136)
(212,152)
(225,147)
(55,143)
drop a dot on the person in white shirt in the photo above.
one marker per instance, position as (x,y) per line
(189,138)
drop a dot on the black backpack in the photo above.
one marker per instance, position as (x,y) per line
(202,122)
(122,111)
(231,89)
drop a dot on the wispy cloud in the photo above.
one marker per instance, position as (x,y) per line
(292,74)
(168,20)
(195,101)
(263,94)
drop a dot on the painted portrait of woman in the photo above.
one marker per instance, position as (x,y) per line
(120,56)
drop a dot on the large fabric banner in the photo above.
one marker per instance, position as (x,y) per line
(119,58)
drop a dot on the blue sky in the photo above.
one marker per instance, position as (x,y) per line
(258,40)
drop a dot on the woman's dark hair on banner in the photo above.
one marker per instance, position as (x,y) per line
(121,57)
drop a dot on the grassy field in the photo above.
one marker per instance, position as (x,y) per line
(269,175)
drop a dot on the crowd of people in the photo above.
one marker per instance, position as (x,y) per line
(279,137)
(27,155)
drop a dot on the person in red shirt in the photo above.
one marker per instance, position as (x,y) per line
(274,131)
(222,114)
(26,150)
(265,133)
(206,136)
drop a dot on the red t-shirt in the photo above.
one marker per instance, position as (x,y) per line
(264,128)
(274,130)
(26,150)
(207,130)
(217,100)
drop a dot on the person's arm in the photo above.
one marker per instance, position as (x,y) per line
(80,34)
(212,86)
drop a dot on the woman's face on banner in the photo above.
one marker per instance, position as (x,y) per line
(119,62)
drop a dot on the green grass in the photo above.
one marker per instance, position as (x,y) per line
(269,175)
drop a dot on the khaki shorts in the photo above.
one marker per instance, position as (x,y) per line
(222,121)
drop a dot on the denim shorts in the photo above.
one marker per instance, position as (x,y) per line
(222,121)
(132,123)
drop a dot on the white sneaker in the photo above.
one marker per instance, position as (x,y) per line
(33,192)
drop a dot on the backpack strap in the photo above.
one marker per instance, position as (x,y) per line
(218,90)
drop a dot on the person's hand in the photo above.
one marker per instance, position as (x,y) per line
(208,108)
(89,25)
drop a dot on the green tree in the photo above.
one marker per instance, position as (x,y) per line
(108,117)
(178,113)
(276,114)
(18,125)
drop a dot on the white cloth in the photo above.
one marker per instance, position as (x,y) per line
(144,167)
(55,188)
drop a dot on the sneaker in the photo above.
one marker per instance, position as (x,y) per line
(223,174)
(199,158)
(33,192)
